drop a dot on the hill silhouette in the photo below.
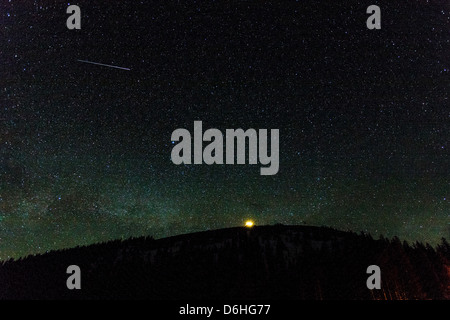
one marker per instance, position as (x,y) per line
(264,262)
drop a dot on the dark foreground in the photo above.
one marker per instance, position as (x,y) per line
(270,262)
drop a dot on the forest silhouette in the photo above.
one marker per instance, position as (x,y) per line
(263,262)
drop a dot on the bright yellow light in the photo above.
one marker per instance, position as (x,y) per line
(249,223)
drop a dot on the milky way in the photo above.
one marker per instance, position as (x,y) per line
(85,150)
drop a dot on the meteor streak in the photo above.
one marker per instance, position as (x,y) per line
(105,65)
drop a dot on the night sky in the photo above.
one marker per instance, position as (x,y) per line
(364,118)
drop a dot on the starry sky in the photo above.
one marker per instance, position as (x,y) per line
(86,149)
